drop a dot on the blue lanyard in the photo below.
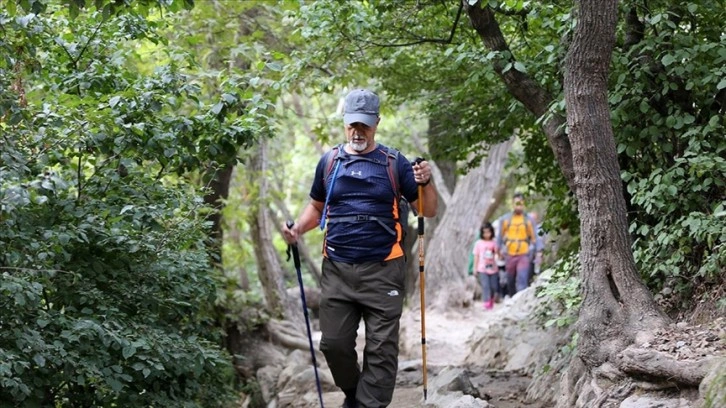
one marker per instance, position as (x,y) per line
(327,197)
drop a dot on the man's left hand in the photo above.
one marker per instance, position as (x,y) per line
(422,172)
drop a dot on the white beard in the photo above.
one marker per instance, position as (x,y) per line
(358,146)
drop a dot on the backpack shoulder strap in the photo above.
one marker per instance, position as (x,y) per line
(508,220)
(392,158)
(330,157)
(335,154)
(504,222)
(529,227)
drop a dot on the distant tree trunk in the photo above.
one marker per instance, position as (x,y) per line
(305,257)
(617,308)
(437,141)
(447,252)
(497,199)
(268,260)
(218,182)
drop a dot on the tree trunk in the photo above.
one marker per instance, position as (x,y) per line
(447,253)
(444,174)
(306,258)
(617,308)
(218,180)
(268,260)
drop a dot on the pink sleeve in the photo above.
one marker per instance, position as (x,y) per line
(477,248)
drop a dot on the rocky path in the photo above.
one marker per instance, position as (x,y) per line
(449,341)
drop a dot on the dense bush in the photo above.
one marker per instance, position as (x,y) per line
(106,288)
(668,101)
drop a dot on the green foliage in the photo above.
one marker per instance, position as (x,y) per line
(562,292)
(668,114)
(106,8)
(107,291)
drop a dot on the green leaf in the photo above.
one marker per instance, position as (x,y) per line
(39,360)
(668,60)
(274,66)
(114,101)
(114,384)
(128,351)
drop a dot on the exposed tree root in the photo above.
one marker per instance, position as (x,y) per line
(284,333)
(640,362)
(634,369)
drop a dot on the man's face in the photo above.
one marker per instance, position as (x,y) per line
(518,205)
(361,136)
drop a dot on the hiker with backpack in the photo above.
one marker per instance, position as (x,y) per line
(355,197)
(516,241)
(485,255)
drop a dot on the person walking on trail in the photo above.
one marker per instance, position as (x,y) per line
(515,241)
(363,261)
(485,254)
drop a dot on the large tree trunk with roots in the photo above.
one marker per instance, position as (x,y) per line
(617,309)
(447,252)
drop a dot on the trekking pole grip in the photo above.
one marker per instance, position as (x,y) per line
(416,161)
(295,253)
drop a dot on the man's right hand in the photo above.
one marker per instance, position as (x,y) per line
(290,234)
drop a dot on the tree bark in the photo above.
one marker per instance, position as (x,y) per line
(305,257)
(217,180)
(444,175)
(616,308)
(268,260)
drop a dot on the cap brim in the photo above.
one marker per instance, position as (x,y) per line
(368,120)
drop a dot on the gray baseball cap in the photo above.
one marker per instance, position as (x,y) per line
(361,105)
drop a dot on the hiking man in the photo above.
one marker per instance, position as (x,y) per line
(363,260)
(516,240)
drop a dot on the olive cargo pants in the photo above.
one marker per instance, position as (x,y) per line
(372,291)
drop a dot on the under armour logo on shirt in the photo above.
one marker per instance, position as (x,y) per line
(394,292)
(356,173)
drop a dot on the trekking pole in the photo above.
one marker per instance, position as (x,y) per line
(296,260)
(422,280)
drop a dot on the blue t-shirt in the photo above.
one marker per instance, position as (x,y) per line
(363,188)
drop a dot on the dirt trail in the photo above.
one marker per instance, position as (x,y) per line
(447,335)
